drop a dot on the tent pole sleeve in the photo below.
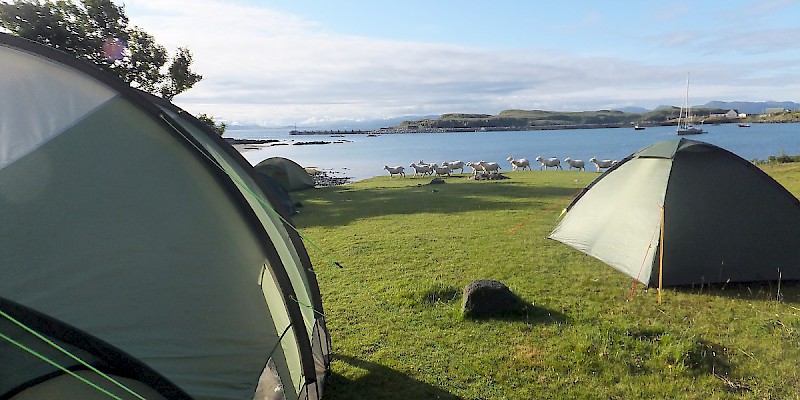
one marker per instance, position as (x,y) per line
(661,256)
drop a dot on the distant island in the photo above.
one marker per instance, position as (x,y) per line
(522,120)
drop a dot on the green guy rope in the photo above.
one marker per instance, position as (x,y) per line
(55,364)
(65,351)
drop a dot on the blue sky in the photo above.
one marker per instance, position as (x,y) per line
(285,62)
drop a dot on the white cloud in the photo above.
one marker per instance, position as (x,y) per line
(758,7)
(268,67)
(762,41)
(671,11)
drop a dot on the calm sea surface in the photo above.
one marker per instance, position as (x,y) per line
(362,157)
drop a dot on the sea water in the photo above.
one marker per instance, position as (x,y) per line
(360,156)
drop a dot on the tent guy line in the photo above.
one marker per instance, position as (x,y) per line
(536,215)
(66,352)
(644,259)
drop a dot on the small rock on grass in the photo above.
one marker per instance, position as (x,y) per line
(487,298)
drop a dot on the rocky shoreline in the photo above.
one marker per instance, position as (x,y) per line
(328,178)
(322,178)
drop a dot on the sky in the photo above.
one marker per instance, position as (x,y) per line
(308,63)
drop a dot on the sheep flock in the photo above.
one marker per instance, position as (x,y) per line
(484,168)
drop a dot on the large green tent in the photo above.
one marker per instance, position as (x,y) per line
(724,220)
(140,256)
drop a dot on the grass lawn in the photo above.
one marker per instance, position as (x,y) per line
(407,250)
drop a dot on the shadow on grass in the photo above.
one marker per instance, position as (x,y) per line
(788,291)
(380,382)
(527,313)
(344,204)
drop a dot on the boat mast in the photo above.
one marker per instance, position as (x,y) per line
(688,107)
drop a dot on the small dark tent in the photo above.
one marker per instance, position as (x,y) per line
(140,257)
(723,218)
(287,172)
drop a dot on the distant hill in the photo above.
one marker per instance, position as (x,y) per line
(632,110)
(540,119)
(751,107)
(238,127)
(536,119)
(747,107)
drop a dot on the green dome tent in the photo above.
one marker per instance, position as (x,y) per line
(140,256)
(287,172)
(723,218)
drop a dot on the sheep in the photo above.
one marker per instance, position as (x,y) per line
(398,170)
(443,170)
(454,165)
(579,164)
(602,163)
(521,163)
(475,167)
(550,162)
(489,166)
(421,169)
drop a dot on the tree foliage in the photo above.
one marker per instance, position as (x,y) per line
(98,31)
(209,120)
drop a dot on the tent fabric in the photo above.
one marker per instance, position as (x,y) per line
(63,92)
(724,220)
(273,218)
(284,200)
(68,387)
(631,198)
(287,172)
(146,241)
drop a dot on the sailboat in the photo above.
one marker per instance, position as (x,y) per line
(685,126)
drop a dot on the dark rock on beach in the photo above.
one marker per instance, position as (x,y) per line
(329,178)
(250,141)
(313,142)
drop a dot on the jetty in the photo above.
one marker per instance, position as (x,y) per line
(331,132)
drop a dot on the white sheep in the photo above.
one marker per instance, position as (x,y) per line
(398,170)
(489,166)
(579,164)
(517,164)
(454,165)
(424,169)
(602,163)
(476,167)
(550,162)
(443,170)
